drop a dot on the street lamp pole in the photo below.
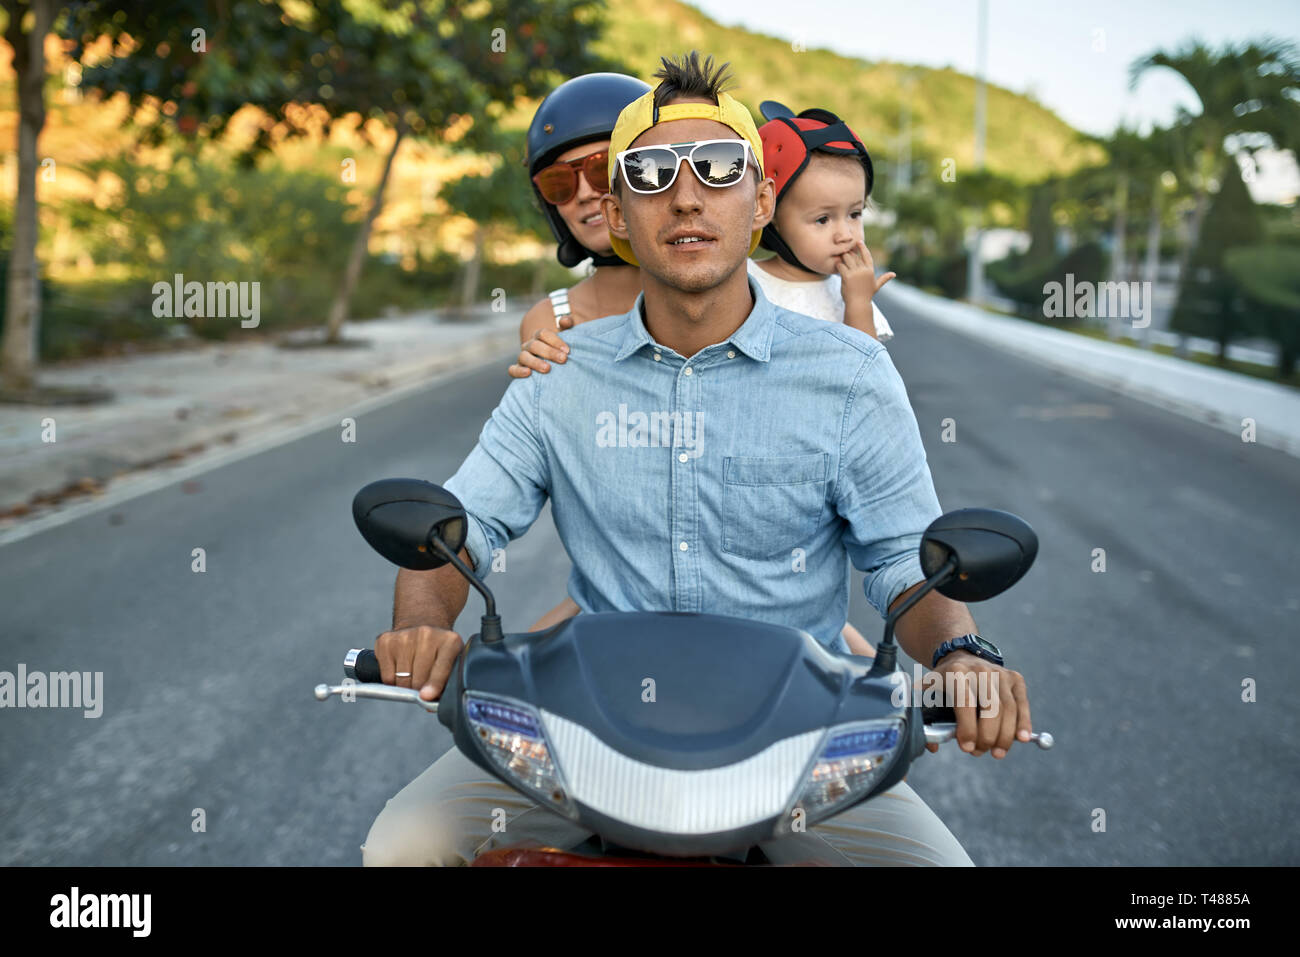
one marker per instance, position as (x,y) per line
(975,262)
(903,173)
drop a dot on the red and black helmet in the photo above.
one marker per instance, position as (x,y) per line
(788,142)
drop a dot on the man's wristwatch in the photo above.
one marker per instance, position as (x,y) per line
(980,647)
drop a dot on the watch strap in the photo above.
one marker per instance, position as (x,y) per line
(965,643)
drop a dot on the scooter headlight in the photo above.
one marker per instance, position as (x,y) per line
(511,735)
(852,761)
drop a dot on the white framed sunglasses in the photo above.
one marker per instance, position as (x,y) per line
(717,163)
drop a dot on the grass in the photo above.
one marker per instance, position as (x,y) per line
(1253,369)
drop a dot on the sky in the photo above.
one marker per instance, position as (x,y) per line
(1072,57)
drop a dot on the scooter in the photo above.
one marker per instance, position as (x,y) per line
(678,738)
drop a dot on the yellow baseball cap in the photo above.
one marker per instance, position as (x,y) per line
(641,114)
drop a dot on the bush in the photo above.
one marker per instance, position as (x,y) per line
(1268,279)
(950,275)
(920,269)
(285,229)
(1208,300)
(90,319)
(437,284)
(1022,280)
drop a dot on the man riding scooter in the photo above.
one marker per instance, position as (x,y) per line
(804,454)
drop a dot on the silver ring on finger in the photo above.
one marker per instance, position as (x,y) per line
(403,674)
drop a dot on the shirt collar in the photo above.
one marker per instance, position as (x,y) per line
(753,338)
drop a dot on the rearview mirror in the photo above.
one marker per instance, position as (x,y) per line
(992,550)
(400,518)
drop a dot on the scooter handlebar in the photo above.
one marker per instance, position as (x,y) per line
(941,726)
(363,681)
(362,666)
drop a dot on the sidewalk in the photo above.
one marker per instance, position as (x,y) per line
(172,407)
(1216,397)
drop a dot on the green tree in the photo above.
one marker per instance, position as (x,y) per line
(1020,276)
(446,70)
(28,24)
(1042,224)
(1249,91)
(1138,174)
(1162,177)
(213,220)
(933,217)
(1269,280)
(1208,297)
(501,198)
(1125,153)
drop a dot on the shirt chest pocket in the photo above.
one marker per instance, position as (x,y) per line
(771,506)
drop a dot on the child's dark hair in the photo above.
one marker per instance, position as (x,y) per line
(822,154)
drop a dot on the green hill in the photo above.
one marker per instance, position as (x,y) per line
(1025,140)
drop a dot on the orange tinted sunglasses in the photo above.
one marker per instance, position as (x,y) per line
(558,183)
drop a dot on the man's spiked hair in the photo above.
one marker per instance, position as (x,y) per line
(686,76)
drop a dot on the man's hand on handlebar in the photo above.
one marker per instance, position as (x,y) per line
(991,703)
(545,344)
(420,657)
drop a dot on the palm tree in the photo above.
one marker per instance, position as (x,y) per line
(1163,164)
(1125,153)
(1247,90)
(1139,169)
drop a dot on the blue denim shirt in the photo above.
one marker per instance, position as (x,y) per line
(738,481)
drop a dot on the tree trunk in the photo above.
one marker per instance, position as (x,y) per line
(469,291)
(18,354)
(1185,254)
(357,257)
(1286,356)
(1227,324)
(1117,244)
(1151,268)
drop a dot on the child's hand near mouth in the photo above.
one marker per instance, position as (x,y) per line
(858,284)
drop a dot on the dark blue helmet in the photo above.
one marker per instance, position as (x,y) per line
(577,111)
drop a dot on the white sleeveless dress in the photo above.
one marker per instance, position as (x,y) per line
(821,300)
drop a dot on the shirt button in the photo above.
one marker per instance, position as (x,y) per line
(687,371)
(682,457)
(731,353)
(658,357)
(682,546)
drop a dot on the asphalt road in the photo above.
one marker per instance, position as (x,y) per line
(1138,670)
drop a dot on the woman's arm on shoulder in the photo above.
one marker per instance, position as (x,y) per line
(540,316)
(539,341)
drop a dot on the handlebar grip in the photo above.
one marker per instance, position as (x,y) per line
(946,716)
(362,665)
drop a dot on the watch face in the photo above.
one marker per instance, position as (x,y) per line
(986,645)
